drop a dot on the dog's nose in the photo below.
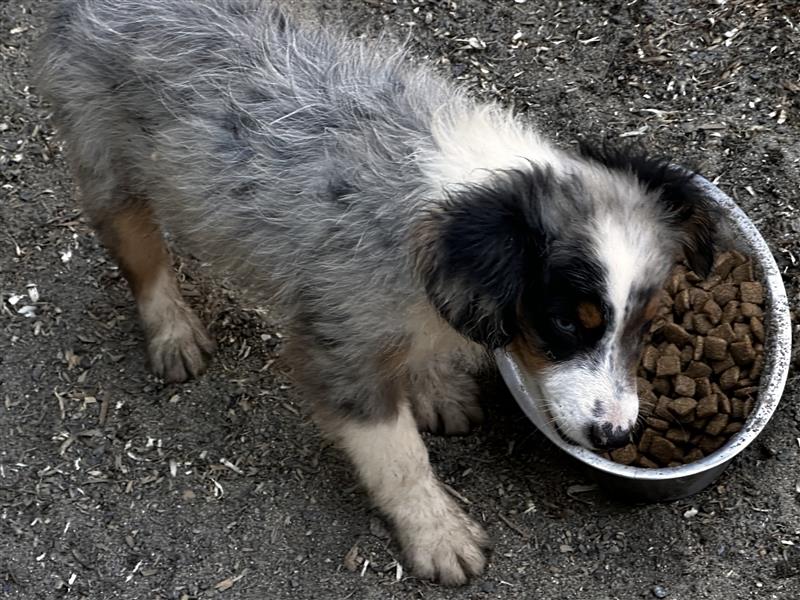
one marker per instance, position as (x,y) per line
(606,436)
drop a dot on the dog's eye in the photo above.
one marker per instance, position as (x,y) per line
(564,325)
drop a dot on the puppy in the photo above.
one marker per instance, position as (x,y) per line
(406,230)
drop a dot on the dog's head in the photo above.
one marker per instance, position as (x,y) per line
(562,265)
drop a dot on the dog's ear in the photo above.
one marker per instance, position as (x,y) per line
(475,251)
(686,206)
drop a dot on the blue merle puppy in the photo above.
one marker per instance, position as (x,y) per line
(406,230)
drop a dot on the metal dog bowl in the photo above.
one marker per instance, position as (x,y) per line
(653,485)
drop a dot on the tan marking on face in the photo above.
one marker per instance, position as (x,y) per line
(531,358)
(590,315)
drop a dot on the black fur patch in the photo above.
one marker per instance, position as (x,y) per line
(478,251)
(685,205)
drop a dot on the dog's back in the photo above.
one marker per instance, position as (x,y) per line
(244,130)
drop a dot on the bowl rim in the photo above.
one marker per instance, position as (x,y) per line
(777,352)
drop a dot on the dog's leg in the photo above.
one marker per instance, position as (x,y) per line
(176,339)
(438,539)
(446,399)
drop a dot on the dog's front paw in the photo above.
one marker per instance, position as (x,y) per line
(449,416)
(178,346)
(451,550)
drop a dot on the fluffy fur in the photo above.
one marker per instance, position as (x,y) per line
(405,229)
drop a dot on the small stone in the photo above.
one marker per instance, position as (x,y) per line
(751,291)
(748,309)
(713,311)
(679,436)
(683,385)
(668,365)
(715,348)
(702,324)
(702,387)
(656,423)
(717,424)
(649,358)
(743,353)
(727,381)
(625,455)
(707,407)
(724,293)
(662,450)
(697,369)
(723,331)
(676,334)
(757,327)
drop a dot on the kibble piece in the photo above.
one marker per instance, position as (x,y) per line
(699,424)
(698,298)
(724,264)
(710,282)
(741,332)
(693,455)
(724,331)
(746,392)
(748,309)
(702,324)
(676,334)
(751,291)
(709,444)
(646,463)
(661,385)
(684,409)
(702,387)
(699,347)
(656,423)
(647,401)
(646,440)
(724,293)
(743,272)
(643,385)
(749,405)
(662,450)
(727,381)
(731,312)
(668,365)
(757,327)
(687,354)
(737,408)
(687,321)
(713,311)
(724,404)
(697,369)
(743,353)
(715,348)
(707,406)
(758,365)
(683,385)
(625,455)
(649,358)
(719,366)
(717,424)
(683,302)
(744,382)
(732,428)
(679,436)
(662,408)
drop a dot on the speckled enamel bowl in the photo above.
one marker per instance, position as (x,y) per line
(654,485)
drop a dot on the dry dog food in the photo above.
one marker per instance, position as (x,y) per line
(698,377)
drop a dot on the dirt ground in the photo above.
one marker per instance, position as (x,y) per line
(113,485)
